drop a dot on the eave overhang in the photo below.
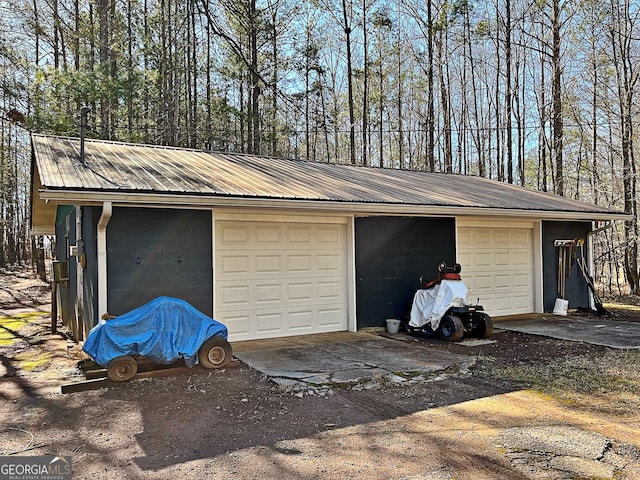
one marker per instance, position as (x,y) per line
(52,197)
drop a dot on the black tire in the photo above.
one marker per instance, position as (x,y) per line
(122,368)
(485,327)
(216,352)
(451,328)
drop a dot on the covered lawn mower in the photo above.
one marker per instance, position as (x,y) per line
(441,306)
(163,331)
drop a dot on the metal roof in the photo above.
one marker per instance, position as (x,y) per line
(130,173)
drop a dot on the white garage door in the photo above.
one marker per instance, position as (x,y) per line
(278,279)
(497,266)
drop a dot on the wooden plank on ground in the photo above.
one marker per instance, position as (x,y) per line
(97,373)
(86,385)
(98,378)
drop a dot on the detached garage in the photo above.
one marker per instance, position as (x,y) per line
(498,264)
(280,278)
(274,247)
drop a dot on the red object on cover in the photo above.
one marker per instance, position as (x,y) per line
(445,276)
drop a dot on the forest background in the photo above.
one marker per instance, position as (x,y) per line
(540,93)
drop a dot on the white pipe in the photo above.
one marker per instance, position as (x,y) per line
(107,211)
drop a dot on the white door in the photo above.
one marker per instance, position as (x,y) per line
(497,266)
(275,279)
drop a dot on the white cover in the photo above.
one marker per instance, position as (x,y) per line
(430,305)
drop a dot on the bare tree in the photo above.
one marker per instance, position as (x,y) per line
(627,74)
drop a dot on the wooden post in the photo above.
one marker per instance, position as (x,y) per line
(54,307)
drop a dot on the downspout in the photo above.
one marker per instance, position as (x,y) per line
(107,211)
(607,225)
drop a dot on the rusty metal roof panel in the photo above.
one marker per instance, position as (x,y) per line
(124,167)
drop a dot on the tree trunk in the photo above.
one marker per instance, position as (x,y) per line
(352,116)
(557,99)
(255,79)
(365,87)
(508,94)
(626,78)
(431,159)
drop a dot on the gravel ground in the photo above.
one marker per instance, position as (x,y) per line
(234,423)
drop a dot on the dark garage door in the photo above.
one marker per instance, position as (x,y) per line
(391,254)
(154,252)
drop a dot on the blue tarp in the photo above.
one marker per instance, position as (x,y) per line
(163,330)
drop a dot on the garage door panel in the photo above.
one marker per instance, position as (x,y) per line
(239,324)
(298,263)
(302,320)
(294,278)
(329,262)
(329,235)
(521,259)
(502,259)
(236,264)
(482,259)
(465,258)
(478,282)
(480,237)
(497,266)
(521,301)
(234,236)
(330,318)
(235,296)
(522,237)
(268,235)
(503,282)
(268,264)
(299,235)
(300,292)
(522,281)
(464,236)
(269,293)
(269,322)
(329,291)
(501,238)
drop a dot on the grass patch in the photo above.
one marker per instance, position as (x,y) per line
(7,328)
(30,361)
(622,308)
(10,326)
(608,383)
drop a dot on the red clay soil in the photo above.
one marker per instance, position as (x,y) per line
(233,423)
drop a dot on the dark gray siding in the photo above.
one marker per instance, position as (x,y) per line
(67,291)
(391,254)
(153,252)
(576,290)
(79,320)
(90,216)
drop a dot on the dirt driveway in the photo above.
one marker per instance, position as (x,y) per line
(233,423)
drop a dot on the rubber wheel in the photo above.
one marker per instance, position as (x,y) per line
(216,352)
(485,327)
(451,328)
(122,368)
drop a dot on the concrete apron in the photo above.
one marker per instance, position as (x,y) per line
(597,331)
(343,358)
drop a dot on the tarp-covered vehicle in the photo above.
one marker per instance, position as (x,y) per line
(441,306)
(164,330)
